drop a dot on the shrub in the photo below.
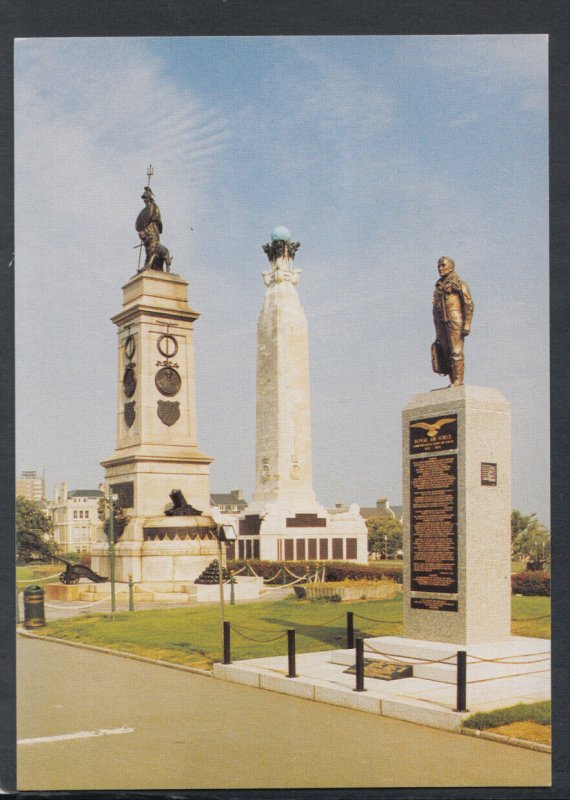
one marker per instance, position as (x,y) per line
(531,583)
(334,570)
(536,712)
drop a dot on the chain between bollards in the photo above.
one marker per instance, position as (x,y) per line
(359,646)
(227,646)
(461,681)
(291,653)
(349,630)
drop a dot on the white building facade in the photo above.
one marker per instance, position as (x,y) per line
(76,524)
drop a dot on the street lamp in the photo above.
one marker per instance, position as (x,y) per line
(225,533)
(112,497)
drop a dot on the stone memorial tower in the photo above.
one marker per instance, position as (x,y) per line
(156,450)
(284,519)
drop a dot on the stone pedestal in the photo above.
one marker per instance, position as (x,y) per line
(457,508)
(156,449)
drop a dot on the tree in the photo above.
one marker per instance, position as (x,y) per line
(33,529)
(530,539)
(384,536)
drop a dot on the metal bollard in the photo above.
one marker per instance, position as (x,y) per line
(131,597)
(227,651)
(359,644)
(34,616)
(349,630)
(283,576)
(291,653)
(232,590)
(461,681)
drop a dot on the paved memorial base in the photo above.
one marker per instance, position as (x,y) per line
(245,588)
(427,698)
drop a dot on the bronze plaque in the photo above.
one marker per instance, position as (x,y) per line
(168,381)
(250,525)
(383,670)
(305,521)
(434,604)
(488,474)
(129,382)
(170,534)
(129,413)
(433,524)
(126,492)
(168,411)
(433,434)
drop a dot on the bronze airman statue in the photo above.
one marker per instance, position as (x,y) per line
(452,315)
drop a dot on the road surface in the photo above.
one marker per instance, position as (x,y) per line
(89,720)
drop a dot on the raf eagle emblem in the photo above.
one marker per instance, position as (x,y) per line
(433,428)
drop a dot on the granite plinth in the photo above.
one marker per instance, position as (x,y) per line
(457,507)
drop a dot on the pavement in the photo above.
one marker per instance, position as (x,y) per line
(96,721)
(499,674)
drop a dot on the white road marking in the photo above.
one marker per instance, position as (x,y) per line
(79,735)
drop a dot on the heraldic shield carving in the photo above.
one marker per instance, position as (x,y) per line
(168,411)
(129,413)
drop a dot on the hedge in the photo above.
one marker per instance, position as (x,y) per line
(526,583)
(531,583)
(334,570)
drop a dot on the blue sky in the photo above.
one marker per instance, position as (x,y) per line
(380,154)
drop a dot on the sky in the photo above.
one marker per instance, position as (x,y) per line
(379,153)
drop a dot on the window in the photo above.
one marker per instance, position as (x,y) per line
(288,549)
(256,548)
(351,549)
(337,549)
(248,548)
(323,549)
(300,549)
(312,549)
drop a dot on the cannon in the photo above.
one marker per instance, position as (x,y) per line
(180,508)
(73,572)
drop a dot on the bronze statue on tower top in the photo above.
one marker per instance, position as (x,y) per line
(452,315)
(149,228)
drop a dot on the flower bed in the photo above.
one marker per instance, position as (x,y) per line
(346,591)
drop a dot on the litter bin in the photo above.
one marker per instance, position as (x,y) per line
(34,616)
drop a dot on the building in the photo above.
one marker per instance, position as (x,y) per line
(231,503)
(382,509)
(76,523)
(31,486)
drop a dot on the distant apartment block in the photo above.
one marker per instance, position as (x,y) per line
(31,486)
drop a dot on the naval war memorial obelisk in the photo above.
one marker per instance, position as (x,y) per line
(284,521)
(157,470)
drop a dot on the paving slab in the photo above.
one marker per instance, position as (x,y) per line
(427,698)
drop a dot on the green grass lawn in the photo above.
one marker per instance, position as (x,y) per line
(192,635)
(32,572)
